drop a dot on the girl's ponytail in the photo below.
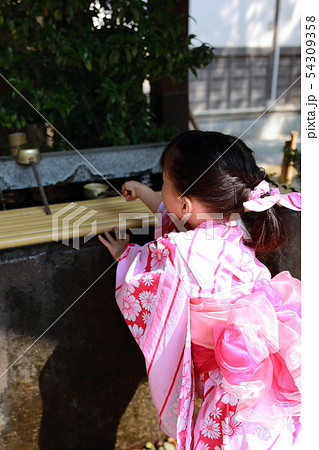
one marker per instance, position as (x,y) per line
(268,229)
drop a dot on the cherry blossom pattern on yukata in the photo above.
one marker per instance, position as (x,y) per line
(185,389)
(147,299)
(130,306)
(210,428)
(208,380)
(137,302)
(136,331)
(186,381)
(230,425)
(148,279)
(203,446)
(159,253)
(220,425)
(183,414)
(229,398)
(262,433)
(186,404)
(216,412)
(170,419)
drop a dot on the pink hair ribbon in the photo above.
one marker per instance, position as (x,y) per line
(258,203)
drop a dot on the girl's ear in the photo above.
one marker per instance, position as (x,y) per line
(187,205)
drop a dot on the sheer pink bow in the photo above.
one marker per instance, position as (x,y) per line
(258,204)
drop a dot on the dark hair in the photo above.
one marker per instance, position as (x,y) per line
(220,171)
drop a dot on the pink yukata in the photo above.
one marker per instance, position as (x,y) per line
(212,323)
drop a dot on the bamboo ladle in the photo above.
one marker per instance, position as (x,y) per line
(31,156)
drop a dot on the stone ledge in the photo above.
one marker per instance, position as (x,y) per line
(83,165)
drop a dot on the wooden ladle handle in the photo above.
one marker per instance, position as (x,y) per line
(43,196)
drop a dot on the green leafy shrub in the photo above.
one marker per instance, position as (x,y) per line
(82,66)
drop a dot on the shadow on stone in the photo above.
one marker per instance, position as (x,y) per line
(92,374)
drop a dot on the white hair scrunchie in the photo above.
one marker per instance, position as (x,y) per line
(258,203)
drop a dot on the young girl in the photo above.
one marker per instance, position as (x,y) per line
(204,310)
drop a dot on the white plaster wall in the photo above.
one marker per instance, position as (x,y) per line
(244,23)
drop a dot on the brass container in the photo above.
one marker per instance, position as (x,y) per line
(26,155)
(16,140)
(95,190)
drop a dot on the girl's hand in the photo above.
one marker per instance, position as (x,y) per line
(130,190)
(115,246)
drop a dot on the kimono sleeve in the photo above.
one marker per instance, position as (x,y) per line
(153,295)
(138,278)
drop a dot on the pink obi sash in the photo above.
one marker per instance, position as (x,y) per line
(203,359)
(254,341)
